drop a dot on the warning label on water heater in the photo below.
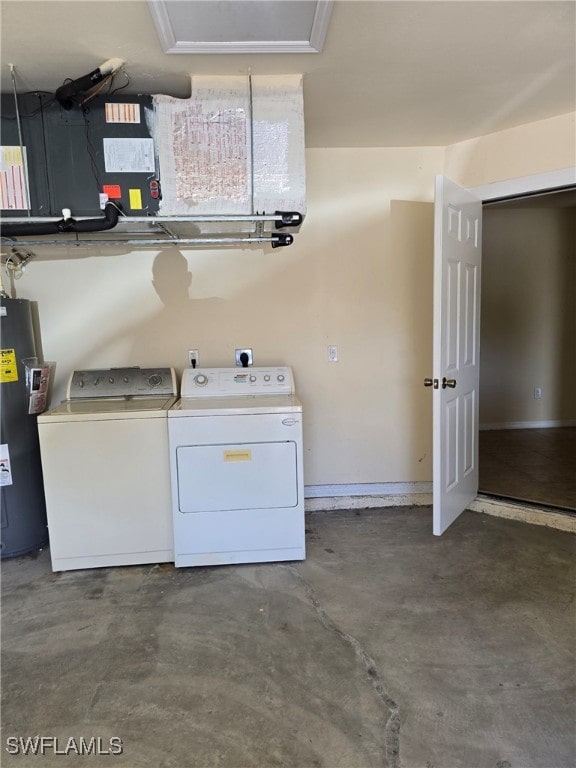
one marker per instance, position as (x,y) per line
(5,469)
(8,367)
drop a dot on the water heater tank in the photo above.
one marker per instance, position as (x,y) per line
(23,516)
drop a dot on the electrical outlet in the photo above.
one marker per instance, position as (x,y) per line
(193,358)
(240,352)
(537,393)
(333,354)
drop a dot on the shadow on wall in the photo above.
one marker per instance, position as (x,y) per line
(181,321)
(181,317)
(192,300)
(410,314)
(151,343)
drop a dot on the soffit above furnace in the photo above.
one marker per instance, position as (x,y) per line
(241,26)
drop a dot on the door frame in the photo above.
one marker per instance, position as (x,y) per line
(564,178)
(545,183)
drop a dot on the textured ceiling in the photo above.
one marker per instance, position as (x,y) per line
(391,73)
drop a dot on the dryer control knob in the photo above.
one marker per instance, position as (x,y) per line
(201,379)
(252,378)
(280,377)
(155,380)
(267,378)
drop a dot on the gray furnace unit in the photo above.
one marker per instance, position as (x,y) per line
(73,155)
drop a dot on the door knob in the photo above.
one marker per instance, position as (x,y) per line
(448,383)
(431,383)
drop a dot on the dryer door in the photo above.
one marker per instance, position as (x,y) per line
(240,476)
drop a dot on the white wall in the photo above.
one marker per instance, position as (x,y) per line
(528,315)
(546,145)
(359,275)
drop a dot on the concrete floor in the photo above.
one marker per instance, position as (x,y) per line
(386,647)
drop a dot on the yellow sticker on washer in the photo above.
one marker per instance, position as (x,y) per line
(135,199)
(8,367)
(243,455)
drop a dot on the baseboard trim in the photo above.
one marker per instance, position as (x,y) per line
(562,521)
(542,424)
(325,498)
(320,498)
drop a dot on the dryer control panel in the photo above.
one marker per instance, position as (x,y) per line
(228,382)
(122,382)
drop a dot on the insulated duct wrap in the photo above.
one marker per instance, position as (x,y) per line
(235,147)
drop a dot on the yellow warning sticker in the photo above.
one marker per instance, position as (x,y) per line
(8,367)
(238,455)
(135,199)
(12,155)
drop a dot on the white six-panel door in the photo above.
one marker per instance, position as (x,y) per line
(457,260)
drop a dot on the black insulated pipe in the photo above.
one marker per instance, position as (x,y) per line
(108,221)
(74,92)
(288,219)
(281,240)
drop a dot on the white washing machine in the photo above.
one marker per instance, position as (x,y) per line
(106,469)
(236,467)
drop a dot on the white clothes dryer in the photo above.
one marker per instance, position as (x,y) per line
(106,469)
(236,457)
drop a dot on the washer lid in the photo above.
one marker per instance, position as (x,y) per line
(109,408)
(232,406)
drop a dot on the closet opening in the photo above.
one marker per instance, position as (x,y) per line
(527,439)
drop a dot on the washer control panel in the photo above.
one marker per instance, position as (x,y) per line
(228,382)
(122,382)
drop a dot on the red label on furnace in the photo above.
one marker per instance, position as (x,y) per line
(112,190)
